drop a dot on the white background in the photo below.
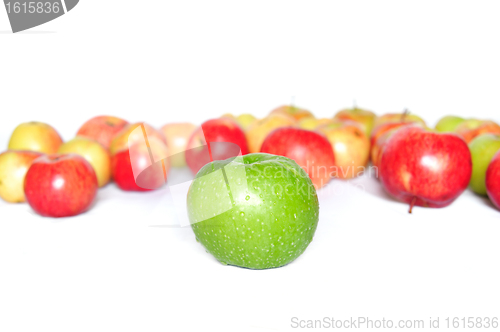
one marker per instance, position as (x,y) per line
(166,61)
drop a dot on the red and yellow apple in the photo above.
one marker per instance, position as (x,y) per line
(351,148)
(102,129)
(470,129)
(308,149)
(60,185)
(313,123)
(35,136)
(258,131)
(13,167)
(398,117)
(177,136)
(95,153)
(293,111)
(128,134)
(363,117)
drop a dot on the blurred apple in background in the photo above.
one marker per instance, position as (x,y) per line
(295,112)
(259,130)
(350,145)
(177,136)
(35,136)
(310,150)
(398,117)
(245,120)
(364,118)
(60,185)
(493,180)
(129,134)
(424,168)
(13,168)
(313,123)
(448,123)
(96,154)
(470,129)
(482,149)
(102,129)
(199,152)
(134,170)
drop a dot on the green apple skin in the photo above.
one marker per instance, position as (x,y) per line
(448,123)
(272,216)
(483,148)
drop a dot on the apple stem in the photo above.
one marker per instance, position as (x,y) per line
(405,113)
(354,106)
(412,203)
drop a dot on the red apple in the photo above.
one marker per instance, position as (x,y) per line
(220,130)
(493,180)
(133,169)
(311,150)
(13,168)
(425,168)
(381,135)
(60,185)
(102,129)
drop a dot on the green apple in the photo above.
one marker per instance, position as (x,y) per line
(483,148)
(257,211)
(448,123)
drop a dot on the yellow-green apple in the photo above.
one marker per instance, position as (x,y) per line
(258,211)
(201,148)
(470,129)
(261,128)
(351,148)
(425,168)
(95,153)
(35,136)
(363,117)
(60,185)
(482,149)
(313,123)
(295,112)
(13,168)
(102,129)
(177,136)
(398,117)
(449,123)
(310,150)
(245,120)
(141,166)
(129,134)
(493,180)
